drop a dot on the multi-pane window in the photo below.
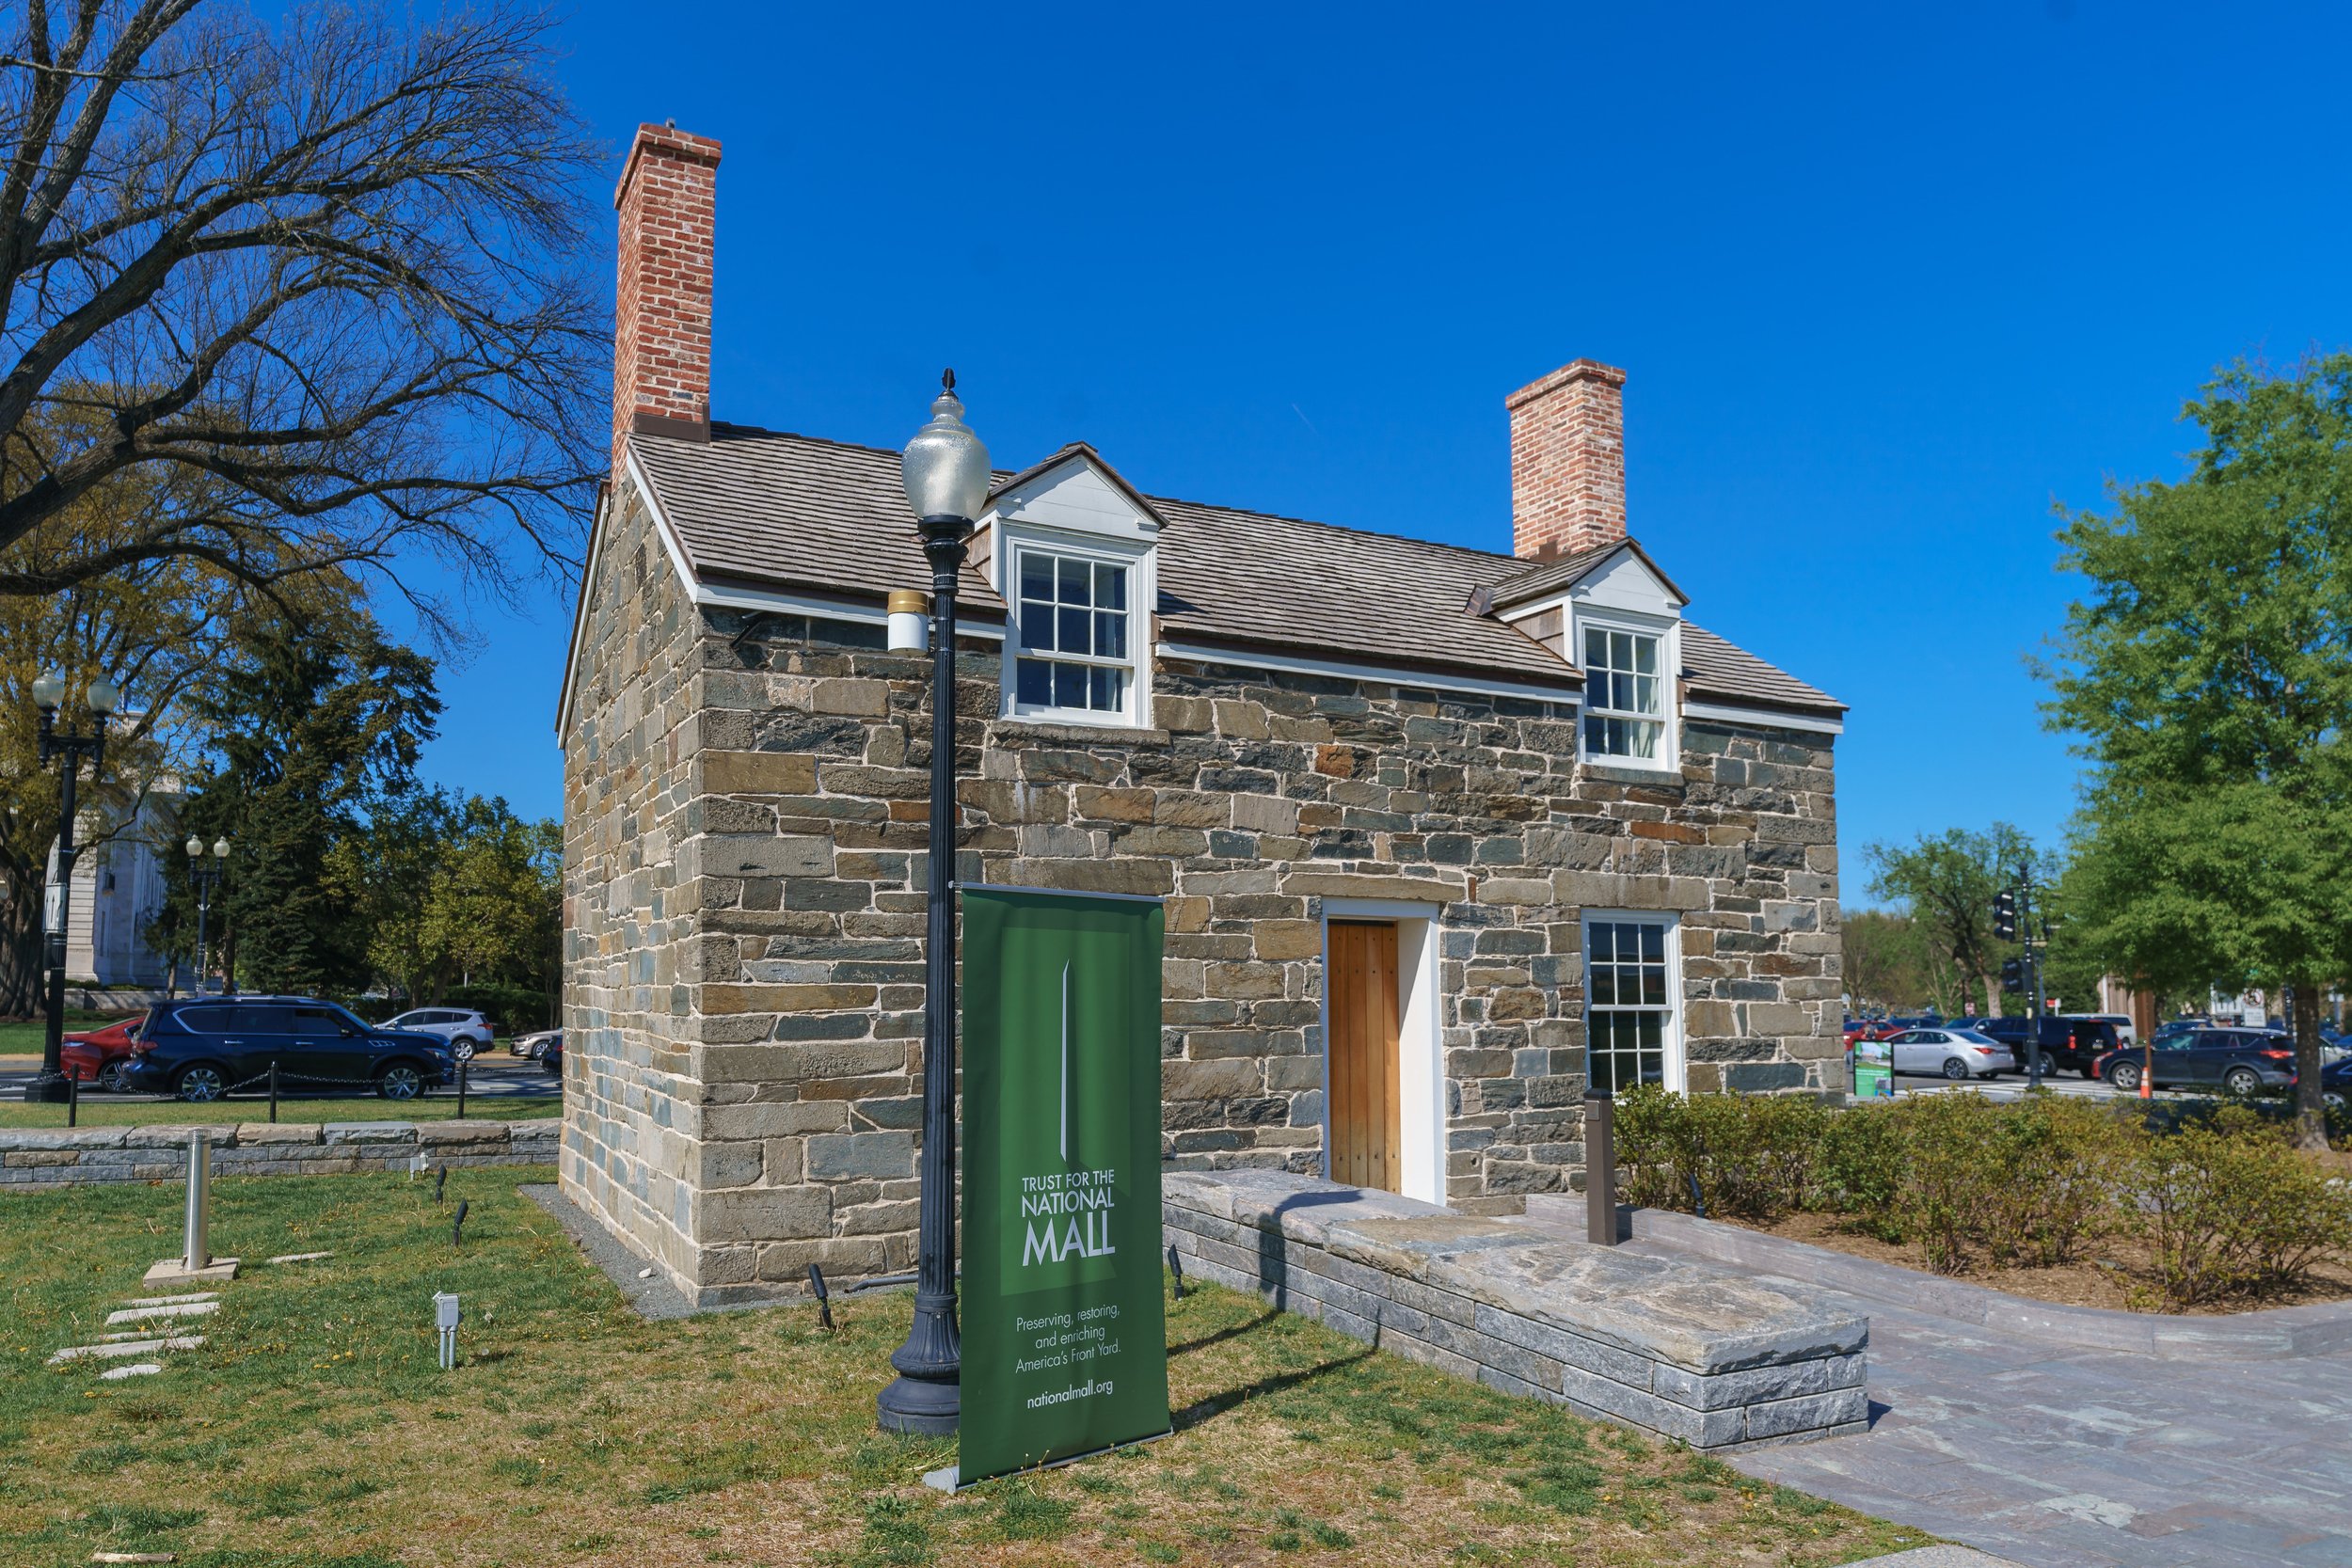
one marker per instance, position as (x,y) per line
(1073,634)
(1625,698)
(1628,1003)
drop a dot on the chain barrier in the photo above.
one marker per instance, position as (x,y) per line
(277,1077)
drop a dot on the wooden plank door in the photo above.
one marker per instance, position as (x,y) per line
(1366,1129)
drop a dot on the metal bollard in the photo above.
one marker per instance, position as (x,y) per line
(273,1090)
(72,1099)
(1600,1167)
(199,1253)
(461,1091)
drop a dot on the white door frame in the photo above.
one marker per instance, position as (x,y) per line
(1420,1059)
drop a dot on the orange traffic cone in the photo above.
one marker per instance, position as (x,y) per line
(2147,1078)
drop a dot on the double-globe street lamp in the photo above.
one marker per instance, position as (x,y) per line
(206,878)
(946,472)
(101,700)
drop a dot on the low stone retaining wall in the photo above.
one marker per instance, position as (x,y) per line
(62,1156)
(1678,1347)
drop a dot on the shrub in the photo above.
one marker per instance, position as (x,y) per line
(1857,1170)
(2233,1210)
(1948,1183)
(1744,1156)
(2054,1188)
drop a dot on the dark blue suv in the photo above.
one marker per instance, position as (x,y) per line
(205,1047)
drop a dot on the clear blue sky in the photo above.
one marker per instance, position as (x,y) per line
(1887,286)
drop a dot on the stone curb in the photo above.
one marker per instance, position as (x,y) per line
(2323,1328)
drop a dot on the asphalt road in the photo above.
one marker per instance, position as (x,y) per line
(494,1077)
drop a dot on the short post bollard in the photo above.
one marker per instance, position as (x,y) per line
(72,1099)
(1600,1167)
(461,1091)
(197,1252)
(445,1315)
(273,1090)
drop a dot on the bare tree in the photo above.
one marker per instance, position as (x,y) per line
(325,271)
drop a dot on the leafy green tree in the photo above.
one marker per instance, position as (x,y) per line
(1949,883)
(311,734)
(2205,671)
(496,909)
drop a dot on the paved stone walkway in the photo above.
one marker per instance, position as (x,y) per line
(2061,1458)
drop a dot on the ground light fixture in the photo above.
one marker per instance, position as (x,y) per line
(100,699)
(946,470)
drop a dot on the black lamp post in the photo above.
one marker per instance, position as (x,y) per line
(206,878)
(101,700)
(946,470)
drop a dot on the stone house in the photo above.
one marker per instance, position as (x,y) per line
(1440,831)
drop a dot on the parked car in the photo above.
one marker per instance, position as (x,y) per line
(533,1046)
(97,1056)
(208,1047)
(553,1058)
(2335,1086)
(1957,1054)
(2071,1044)
(465,1030)
(2124,1032)
(2243,1061)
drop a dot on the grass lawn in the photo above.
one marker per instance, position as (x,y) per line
(102,1110)
(314,1429)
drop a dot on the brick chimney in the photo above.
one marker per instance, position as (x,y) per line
(1567,460)
(668,202)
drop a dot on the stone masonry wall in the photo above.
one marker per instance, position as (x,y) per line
(56,1157)
(1260,796)
(630,1138)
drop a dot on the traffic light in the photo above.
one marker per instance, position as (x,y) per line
(2013,975)
(2005,917)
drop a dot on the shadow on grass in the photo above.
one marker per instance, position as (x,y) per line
(1222,1334)
(1202,1410)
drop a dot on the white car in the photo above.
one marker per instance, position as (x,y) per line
(533,1046)
(465,1030)
(1956,1053)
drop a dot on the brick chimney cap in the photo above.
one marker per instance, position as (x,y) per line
(665,140)
(1575,370)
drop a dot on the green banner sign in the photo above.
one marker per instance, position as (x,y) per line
(1065,1348)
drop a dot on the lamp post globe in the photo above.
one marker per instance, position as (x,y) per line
(946,472)
(48,691)
(195,847)
(102,697)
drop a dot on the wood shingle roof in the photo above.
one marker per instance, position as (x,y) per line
(767,509)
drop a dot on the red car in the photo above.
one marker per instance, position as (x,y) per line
(99,1055)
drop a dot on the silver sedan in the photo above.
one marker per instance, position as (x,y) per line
(1956,1053)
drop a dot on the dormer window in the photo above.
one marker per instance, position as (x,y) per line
(1072,635)
(1625,694)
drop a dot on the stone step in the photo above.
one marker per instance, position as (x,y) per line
(300,1256)
(173,1300)
(133,1347)
(177,1309)
(136,1368)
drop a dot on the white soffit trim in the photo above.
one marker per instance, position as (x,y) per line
(734,596)
(1479,685)
(1764,718)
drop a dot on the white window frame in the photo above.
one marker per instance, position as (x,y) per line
(1675,1055)
(1668,630)
(1011,542)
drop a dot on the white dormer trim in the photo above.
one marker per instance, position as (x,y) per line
(1076,508)
(1621,593)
